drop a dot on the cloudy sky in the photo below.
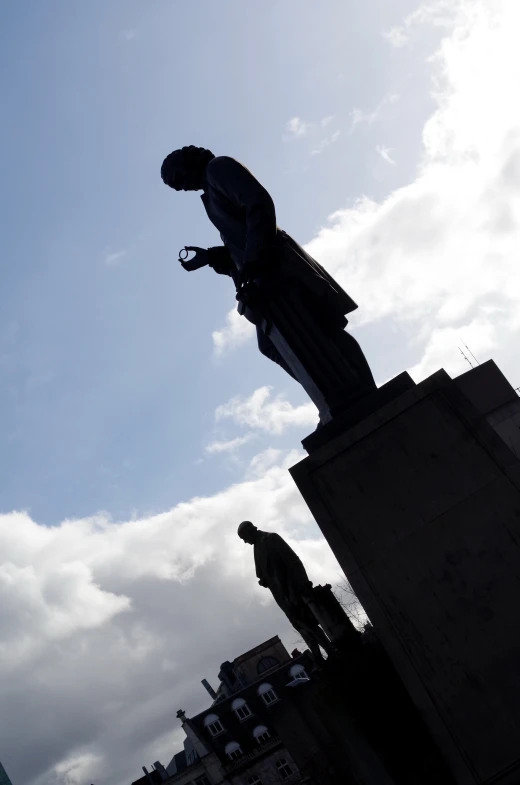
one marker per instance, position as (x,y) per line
(139,423)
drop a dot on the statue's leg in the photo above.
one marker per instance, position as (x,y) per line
(314,637)
(269,350)
(323,641)
(313,645)
(313,344)
(353,350)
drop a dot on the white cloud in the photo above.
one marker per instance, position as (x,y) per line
(396,36)
(439,13)
(443,348)
(443,251)
(76,769)
(230,445)
(326,143)
(359,116)
(295,128)
(268,459)
(384,152)
(271,415)
(114,619)
(113,258)
(235,333)
(326,121)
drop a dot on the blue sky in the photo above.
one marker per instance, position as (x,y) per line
(140,423)
(108,387)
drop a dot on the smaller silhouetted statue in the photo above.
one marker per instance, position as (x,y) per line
(297,307)
(280,570)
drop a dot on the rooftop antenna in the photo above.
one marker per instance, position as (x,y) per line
(469,350)
(465,357)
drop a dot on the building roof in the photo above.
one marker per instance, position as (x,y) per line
(256,650)
(180,763)
(152,778)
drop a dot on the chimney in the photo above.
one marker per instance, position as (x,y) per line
(163,774)
(191,732)
(207,686)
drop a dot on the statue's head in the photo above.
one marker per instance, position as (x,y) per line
(247,531)
(184,169)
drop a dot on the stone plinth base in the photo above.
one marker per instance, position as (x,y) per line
(420,502)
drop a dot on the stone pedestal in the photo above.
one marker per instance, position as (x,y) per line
(420,502)
(332,618)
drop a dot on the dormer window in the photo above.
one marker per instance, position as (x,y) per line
(213,724)
(261,734)
(241,709)
(299,672)
(269,696)
(233,750)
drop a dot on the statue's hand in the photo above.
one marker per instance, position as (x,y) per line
(201,258)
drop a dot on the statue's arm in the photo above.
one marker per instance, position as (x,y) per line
(243,189)
(221,261)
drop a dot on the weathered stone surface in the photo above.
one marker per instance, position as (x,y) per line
(420,502)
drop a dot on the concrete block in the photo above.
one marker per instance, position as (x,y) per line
(420,502)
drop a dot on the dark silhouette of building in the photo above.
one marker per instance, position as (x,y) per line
(237,739)
(275,718)
(4,779)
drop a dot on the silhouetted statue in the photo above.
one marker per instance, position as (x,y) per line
(281,571)
(297,307)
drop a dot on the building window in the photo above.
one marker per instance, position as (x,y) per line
(233,750)
(241,709)
(254,780)
(261,734)
(266,663)
(299,672)
(268,694)
(284,768)
(213,724)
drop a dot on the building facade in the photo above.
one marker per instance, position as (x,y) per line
(236,739)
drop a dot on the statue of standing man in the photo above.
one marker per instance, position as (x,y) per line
(298,309)
(280,570)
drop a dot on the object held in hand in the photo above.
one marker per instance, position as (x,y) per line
(200,259)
